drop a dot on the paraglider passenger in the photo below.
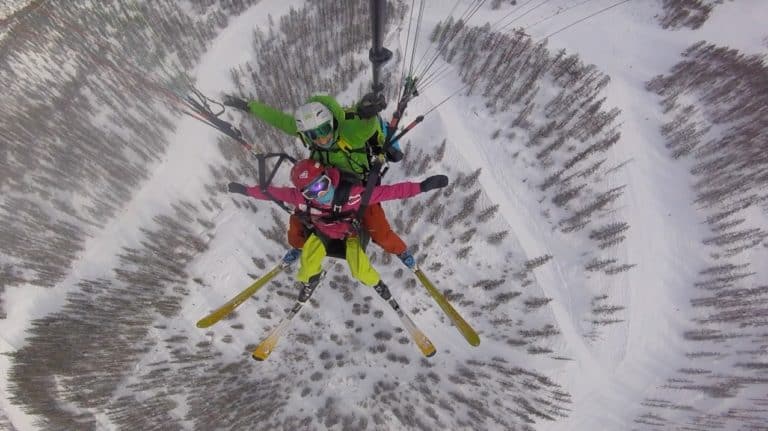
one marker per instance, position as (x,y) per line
(315,194)
(344,138)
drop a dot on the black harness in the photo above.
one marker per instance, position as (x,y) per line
(336,247)
(340,198)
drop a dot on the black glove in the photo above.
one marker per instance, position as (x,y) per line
(394,155)
(433,182)
(236,102)
(370,105)
(237,188)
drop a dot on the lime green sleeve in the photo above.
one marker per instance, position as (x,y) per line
(273,117)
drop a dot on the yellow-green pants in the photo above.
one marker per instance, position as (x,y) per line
(313,253)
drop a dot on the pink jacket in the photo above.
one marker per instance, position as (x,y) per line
(338,229)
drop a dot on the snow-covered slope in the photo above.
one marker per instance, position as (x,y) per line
(346,363)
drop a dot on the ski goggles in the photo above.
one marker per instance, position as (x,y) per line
(320,185)
(319,131)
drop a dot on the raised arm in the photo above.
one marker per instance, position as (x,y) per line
(289,195)
(273,117)
(407,189)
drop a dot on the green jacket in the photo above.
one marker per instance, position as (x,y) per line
(349,152)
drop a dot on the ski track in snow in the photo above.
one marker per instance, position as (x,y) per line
(534,235)
(536,241)
(632,49)
(610,379)
(517,213)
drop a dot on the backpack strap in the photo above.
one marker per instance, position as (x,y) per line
(373,180)
(340,196)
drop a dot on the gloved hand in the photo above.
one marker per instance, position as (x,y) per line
(235,102)
(394,153)
(433,182)
(370,105)
(239,188)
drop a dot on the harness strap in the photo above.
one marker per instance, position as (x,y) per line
(340,197)
(374,177)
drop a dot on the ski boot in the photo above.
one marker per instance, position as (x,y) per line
(382,290)
(292,256)
(407,259)
(307,289)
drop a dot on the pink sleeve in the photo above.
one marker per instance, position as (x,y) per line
(290,195)
(395,191)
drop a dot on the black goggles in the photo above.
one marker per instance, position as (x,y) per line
(316,187)
(318,132)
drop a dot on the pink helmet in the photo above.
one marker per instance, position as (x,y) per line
(306,171)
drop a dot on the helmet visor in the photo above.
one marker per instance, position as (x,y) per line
(319,131)
(316,187)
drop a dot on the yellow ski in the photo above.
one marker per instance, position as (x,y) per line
(418,337)
(466,330)
(249,291)
(262,351)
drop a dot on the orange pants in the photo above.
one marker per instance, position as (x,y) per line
(375,222)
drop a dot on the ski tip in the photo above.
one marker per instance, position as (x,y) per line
(470,335)
(203,323)
(427,349)
(261,353)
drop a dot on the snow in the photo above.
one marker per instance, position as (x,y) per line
(607,380)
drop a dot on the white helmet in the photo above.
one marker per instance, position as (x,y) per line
(312,115)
